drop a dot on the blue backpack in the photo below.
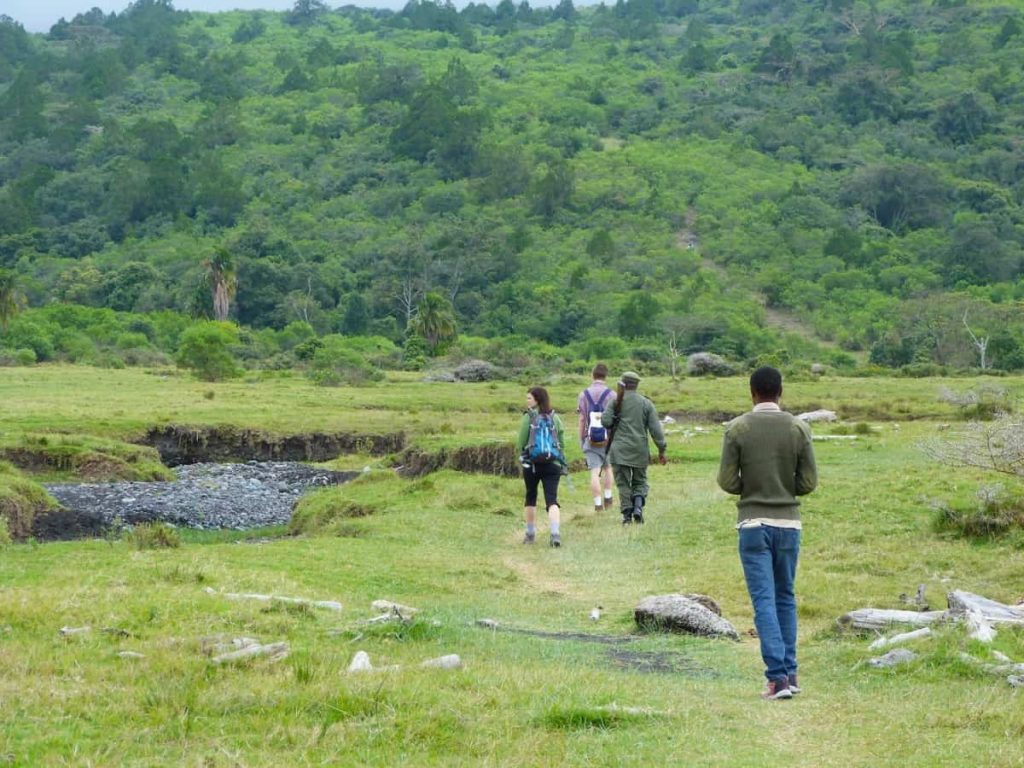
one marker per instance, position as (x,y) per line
(543,445)
(596,432)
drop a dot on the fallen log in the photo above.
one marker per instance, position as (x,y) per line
(274,652)
(877,619)
(962,604)
(885,642)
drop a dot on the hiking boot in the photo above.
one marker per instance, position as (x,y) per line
(529,538)
(556,540)
(599,508)
(793,687)
(627,516)
(609,503)
(638,516)
(776,690)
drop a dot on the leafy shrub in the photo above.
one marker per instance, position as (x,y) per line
(25,356)
(153,536)
(335,363)
(206,349)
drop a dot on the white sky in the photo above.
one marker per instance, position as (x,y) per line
(40,15)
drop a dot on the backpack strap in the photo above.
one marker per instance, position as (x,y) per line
(599,404)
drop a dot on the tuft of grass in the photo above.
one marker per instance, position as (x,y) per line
(91,458)
(153,536)
(993,514)
(574,718)
(20,501)
(324,509)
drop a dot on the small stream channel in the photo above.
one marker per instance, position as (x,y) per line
(205,495)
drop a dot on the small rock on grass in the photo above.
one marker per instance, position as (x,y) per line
(893,658)
(451,661)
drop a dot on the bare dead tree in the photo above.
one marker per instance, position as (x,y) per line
(980,344)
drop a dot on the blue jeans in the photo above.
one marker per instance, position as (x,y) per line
(769,557)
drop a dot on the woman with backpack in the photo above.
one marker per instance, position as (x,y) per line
(540,442)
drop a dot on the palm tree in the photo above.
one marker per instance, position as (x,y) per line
(434,320)
(11,299)
(223,281)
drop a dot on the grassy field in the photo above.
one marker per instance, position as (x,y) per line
(448,543)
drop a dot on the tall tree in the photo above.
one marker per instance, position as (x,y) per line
(434,321)
(223,280)
(10,297)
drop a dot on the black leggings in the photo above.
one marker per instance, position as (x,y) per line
(549,474)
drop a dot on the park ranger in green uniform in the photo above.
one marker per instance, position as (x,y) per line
(629,422)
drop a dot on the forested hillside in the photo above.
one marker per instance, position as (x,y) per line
(838,181)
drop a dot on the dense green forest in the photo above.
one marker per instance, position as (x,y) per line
(834,181)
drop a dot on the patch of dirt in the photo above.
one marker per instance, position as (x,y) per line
(658,662)
(67,525)
(579,637)
(97,468)
(533,576)
(179,444)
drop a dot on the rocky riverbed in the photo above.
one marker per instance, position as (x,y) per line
(234,496)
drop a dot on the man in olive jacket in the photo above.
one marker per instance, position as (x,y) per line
(630,420)
(768,461)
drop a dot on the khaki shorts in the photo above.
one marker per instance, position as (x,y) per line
(596,457)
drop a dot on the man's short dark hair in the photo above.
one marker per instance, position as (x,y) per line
(766,382)
(600,371)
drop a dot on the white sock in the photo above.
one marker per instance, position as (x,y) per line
(597,501)
(607,494)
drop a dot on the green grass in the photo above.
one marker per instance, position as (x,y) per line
(448,543)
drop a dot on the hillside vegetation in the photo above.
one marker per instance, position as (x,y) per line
(836,180)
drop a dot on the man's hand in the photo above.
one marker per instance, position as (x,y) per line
(661,459)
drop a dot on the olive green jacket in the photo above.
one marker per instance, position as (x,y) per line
(637,418)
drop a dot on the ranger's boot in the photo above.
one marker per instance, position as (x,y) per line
(638,509)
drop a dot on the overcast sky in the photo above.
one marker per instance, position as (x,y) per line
(40,15)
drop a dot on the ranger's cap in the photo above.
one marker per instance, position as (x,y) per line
(630,377)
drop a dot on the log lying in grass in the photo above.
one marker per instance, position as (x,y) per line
(877,619)
(274,652)
(962,603)
(1014,672)
(330,605)
(885,642)
(963,607)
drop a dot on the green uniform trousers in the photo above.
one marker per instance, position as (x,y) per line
(630,481)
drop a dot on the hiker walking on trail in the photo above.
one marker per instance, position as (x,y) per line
(629,421)
(768,460)
(591,404)
(540,441)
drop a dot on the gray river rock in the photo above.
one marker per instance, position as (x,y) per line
(209,496)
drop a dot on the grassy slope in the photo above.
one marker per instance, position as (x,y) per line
(448,544)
